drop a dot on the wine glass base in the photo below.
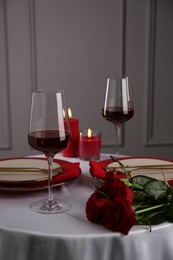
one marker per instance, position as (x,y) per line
(50,207)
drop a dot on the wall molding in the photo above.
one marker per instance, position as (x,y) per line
(33,44)
(5,129)
(150,73)
(150,139)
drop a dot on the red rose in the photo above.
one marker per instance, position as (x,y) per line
(129,195)
(117,188)
(118,215)
(93,208)
(109,179)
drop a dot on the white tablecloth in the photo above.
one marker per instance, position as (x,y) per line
(25,235)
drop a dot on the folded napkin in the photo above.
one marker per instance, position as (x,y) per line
(97,169)
(70,170)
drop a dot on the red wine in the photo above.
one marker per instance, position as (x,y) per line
(117,114)
(49,142)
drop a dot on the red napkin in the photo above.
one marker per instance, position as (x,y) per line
(70,171)
(97,169)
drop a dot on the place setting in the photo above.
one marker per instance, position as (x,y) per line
(119,108)
(50,132)
(28,174)
(128,190)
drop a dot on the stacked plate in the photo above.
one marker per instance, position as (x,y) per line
(28,174)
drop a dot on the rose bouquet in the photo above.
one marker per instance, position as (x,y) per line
(124,201)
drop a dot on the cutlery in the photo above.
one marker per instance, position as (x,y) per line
(159,166)
(131,169)
(30,169)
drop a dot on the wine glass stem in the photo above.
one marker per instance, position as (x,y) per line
(50,186)
(117,134)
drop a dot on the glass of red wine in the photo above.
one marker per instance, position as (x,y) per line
(118,104)
(49,133)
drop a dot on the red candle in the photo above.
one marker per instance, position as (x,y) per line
(90,145)
(73,148)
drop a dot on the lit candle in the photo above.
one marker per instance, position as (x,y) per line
(73,148)
(90,145)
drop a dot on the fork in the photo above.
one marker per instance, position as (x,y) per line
(159,166)
(30,169)
(148,167)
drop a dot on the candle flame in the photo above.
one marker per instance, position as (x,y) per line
(89,132)
(69,113)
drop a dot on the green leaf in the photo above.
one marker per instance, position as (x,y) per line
(140,179)
(156,189)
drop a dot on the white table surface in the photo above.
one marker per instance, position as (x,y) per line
(25,235)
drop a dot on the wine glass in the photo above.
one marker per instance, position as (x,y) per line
(49,132)
(118,104)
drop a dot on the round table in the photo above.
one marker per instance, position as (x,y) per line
(26,235)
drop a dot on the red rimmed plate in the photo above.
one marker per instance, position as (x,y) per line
(29,181)
(97,169)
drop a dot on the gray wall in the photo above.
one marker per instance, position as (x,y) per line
(75,45)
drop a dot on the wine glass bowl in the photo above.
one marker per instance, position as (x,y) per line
(118,104)
(49,133)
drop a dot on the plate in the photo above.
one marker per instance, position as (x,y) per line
(26,172)
(30,181)
(154,173)
(97,169)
